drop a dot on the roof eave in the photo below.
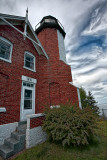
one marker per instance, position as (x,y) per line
(21,20)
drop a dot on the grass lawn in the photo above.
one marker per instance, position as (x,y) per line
(50,151)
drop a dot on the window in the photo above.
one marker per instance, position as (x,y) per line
(28,84)
(29,61)
(50,20)
(5,49)
(28,99)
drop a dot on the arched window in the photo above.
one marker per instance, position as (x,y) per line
(29,61)
(5,49)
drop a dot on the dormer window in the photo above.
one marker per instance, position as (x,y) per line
(29,61)
(5,49)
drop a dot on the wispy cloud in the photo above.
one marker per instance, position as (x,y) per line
(87,53)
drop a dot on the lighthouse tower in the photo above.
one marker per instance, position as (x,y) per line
(51,34)
(55,73)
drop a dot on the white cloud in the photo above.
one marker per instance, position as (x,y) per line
(98,24)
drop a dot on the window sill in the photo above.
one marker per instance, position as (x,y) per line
(2,109)
(29,69)
(9,61)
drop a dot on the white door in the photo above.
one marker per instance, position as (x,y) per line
(27,100)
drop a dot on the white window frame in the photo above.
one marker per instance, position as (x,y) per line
(23,112)
(8,42)
(34,70)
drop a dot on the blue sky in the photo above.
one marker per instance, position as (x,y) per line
(85,23)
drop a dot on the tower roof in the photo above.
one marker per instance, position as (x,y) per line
(49,22)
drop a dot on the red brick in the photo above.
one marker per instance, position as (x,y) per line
(52,76)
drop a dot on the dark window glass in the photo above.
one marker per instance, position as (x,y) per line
(27,104)
(31,85)
(24,83)
(28,94)
(29,61)
(5,49)
(28,99)
(28,84)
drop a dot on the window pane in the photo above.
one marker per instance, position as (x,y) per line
(29,58)
(32,65)
(28,94)
(27,64)
(5,49)
(28,84)
(29,61)
(2,53)
(27,104)
(31,85)
(28,99)
(24,84)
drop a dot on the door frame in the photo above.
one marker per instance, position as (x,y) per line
(31,81)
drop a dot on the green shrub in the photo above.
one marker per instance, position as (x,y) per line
(70,125)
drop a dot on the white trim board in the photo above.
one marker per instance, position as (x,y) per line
(29,79)
(2,109)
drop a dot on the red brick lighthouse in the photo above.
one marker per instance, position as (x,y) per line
(54,73)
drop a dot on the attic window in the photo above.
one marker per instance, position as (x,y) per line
(5,49)
(29,61)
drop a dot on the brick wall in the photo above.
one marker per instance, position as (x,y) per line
(52,76)
(36,122)
(58,73)
(11,73)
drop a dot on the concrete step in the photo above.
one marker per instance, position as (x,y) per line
(22,122)
(18,136)
(21,138)
(12,145)
(11,142)
(6,151)
(21,128)
(15,143)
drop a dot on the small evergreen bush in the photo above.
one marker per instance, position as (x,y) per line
(69,125)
